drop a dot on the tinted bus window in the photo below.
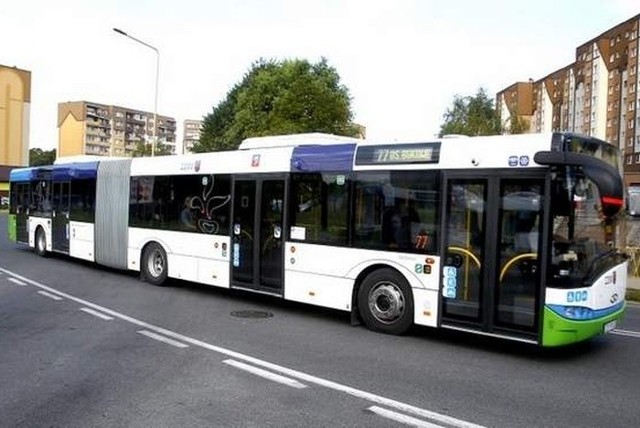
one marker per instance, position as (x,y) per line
(396,210)
(320,208)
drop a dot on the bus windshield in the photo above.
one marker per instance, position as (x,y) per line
(583,241)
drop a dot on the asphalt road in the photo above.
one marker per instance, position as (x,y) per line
(85,346)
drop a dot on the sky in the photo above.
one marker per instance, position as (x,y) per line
(403,61)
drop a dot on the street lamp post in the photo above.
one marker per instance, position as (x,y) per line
(155,103)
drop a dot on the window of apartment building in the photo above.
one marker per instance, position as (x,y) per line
(632,52)
(608,123)
(612,58)
(638,158)
(629,160)
(632,87)
(609,106)
(632,71)
(612,42)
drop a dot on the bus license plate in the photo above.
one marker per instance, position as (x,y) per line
(608,327)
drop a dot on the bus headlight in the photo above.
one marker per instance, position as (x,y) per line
(577,313)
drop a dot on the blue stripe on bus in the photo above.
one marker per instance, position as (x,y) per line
(61,172)
(580,313)
(75,171)
(337,157)
(22,174)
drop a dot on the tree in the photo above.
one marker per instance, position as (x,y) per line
(517,125)
(39,157)
(274,98)
(471,115)
(144,149)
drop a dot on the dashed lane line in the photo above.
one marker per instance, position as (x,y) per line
(160,338)
(265,374)
(49,295)
(387,402)
(403,419)
(96,314)
(18,282)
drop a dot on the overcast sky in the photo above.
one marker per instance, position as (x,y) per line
(402,60)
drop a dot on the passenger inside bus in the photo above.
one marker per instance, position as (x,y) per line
(186,216)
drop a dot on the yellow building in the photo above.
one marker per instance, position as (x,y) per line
(88,128)
(15,101)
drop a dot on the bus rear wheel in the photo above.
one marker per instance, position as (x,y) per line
(385,302)
(41,242)
(154,264)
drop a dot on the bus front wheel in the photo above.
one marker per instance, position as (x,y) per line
(154,264)
(41,242)
(385,302)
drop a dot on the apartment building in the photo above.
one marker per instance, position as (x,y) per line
(15,103)
(88,128)
(191,134)
(596,95)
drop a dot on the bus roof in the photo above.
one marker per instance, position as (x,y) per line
(60,172)
(294,140)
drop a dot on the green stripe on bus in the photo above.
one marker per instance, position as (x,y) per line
(557,331)
(12,227)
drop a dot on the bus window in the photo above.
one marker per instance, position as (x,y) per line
(320,208)
(396,210)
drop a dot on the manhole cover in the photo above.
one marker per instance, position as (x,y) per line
(251,314)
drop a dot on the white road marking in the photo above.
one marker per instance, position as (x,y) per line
(266,374)
(163,339)
(97,314)
(50,295)
(387,402)
(404,419)
(627,333)
(15,281)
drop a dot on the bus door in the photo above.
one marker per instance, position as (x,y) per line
(491,269)
(22,211)
(257,234)
(61,193)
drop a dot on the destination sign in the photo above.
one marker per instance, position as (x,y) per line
(398,154)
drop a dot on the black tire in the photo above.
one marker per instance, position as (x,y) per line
(154,264)
(40,246)
(385,302)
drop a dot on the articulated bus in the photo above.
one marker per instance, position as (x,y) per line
(515,237)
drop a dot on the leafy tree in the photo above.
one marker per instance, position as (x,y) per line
(471,115)
(39,157)
(274,98)
(518,125)
(144,149)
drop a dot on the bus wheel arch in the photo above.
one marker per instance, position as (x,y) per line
(154,264)
(384,300)
(40,242)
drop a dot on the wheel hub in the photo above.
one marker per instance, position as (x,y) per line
(156,263)
(386,302)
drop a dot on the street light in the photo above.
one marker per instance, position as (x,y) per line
(155,103)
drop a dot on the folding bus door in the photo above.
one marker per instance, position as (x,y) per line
(257,235)
(491,269)
(60,216)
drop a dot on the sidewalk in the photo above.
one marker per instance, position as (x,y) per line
(633,282)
